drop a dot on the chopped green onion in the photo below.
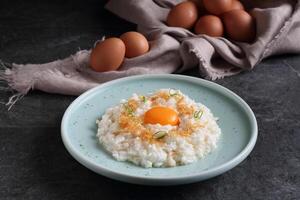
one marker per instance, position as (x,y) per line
(173,92)
(159,134)
(128,109)
(198,114)
(143,99)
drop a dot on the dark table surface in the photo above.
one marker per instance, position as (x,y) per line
(34,163)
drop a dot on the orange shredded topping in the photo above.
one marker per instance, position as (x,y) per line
(184,109)
(135,126)
(164,95)
(189,129)
(130,123)
(133,104)
(161,94)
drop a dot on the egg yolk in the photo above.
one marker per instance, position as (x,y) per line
(162,116)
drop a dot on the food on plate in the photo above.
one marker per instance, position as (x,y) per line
(217,7)
(239,25)
(162,129)
(183,15)
(136,44)
(107,55)
(210,25)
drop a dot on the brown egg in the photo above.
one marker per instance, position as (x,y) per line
(217,7)
(201,9)
(239,25)
(136,44)
(210,25)
(107,55)
(237,5)
(183,15)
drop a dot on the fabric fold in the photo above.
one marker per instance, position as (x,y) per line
(172,49)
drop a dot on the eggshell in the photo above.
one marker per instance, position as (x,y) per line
(183,15)
(239,25)
(237,5)
(210,25)
(201,10)
(136,44)
(217,7)
(107,55)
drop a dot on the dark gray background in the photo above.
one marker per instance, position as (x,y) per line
(34,163)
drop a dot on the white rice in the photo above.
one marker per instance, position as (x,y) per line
(175,150)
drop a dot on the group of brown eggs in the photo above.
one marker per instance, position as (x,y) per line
(215,18)
(108,55)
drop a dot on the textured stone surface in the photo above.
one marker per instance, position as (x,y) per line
(35,165)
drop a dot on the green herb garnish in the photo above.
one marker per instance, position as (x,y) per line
(159,134)
(128,109)
(173,92)
(198,114)
(143,99)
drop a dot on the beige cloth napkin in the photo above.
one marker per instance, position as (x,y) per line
(172,49)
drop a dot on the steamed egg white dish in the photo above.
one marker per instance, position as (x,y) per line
(162,129)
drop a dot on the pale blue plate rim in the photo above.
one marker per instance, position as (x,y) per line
(196,176)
